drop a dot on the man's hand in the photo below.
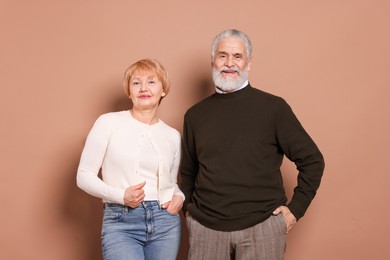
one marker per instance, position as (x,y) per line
(288,216)
(134,195)
(174,205)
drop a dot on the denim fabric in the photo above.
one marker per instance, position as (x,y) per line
(146,232)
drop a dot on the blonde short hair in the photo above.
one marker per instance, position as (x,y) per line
(147,65)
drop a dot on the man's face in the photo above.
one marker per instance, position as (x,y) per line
(230,64)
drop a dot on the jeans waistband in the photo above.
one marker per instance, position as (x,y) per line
(144,204)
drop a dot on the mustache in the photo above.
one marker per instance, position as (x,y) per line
(225,69)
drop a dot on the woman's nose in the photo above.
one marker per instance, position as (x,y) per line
(142,88)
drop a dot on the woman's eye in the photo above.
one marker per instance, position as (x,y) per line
(135,83)
(151,82)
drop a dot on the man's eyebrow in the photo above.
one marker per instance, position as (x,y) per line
(222,52)
(234,54)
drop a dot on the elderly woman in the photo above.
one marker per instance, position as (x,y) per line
(139,156)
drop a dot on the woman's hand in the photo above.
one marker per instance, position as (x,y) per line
(134,195)
(288,216)
(174,205)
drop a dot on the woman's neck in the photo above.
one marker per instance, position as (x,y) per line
(148,117)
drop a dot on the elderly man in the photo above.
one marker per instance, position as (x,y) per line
(233,147)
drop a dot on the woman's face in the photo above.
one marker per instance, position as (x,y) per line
(146,90)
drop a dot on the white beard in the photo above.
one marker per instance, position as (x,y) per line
(228,84)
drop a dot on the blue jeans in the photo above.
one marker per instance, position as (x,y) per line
(146,232)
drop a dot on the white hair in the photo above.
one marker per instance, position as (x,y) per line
(232,33)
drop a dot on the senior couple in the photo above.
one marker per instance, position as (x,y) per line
(233,145)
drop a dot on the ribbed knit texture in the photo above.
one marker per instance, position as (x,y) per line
(232,152)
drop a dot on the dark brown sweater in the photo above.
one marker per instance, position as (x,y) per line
(233,148)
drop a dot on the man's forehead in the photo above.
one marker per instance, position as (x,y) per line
(231,44)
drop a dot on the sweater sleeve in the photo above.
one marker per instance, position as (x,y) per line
(298,147)
(189,168)
(91,161)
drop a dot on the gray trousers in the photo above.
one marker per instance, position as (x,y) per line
(264,241)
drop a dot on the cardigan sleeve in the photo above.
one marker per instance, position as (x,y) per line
(176,165)
(91,162)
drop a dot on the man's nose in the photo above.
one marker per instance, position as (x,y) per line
(230,61)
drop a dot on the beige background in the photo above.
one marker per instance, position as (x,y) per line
(61,66)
